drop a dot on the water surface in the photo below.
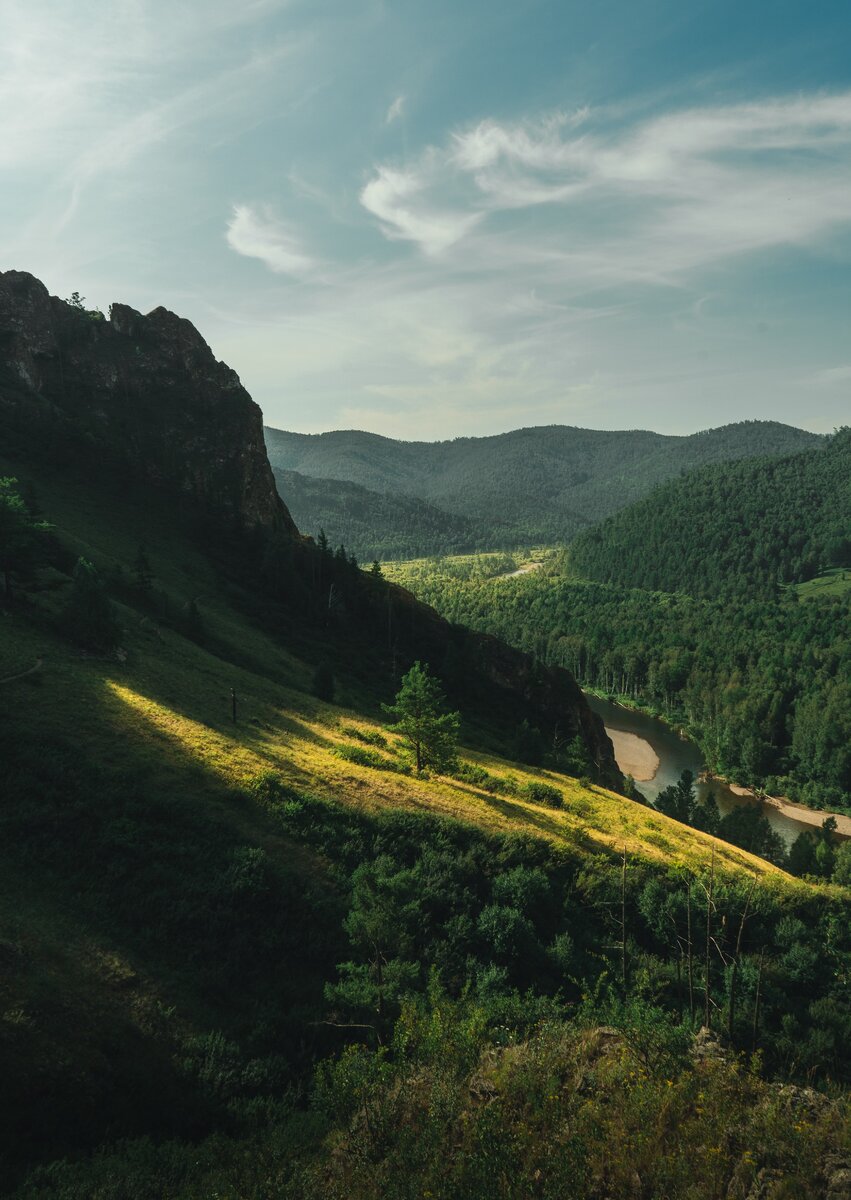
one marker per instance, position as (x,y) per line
(677,754)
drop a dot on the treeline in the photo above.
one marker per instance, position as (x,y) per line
(764,686)
(744,529)
(529,486)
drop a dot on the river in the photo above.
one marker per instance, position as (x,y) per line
(676,754)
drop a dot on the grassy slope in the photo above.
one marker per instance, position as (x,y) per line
(167,708)
(92,1005)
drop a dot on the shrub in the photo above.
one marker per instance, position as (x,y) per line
(544,793)
(370,737)
(370,758)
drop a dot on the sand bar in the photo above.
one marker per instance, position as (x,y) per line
(634,755)
(795,812)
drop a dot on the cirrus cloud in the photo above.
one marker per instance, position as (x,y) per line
(256,233)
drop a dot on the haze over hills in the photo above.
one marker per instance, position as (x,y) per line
(538,485)
(377,525)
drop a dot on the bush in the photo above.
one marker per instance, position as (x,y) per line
(544,793)
(370,758)
(370,737)
(478,777)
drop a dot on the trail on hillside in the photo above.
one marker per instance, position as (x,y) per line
(39,662)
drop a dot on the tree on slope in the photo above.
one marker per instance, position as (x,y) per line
(20,535)
(89,617)
(430,731)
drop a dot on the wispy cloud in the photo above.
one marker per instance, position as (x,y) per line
(395,110)
(834,376)
(681,189)
(257,233)
(396,198)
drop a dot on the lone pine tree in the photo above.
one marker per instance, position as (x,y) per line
(430,732)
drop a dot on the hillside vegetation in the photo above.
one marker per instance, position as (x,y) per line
(248,947)
(712,602)
(176,884)
(746,528)
(375,525)
(539,485)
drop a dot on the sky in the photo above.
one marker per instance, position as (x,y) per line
(443,218)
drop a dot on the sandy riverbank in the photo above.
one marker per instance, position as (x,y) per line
(795,812)
(526,569)
(634,755)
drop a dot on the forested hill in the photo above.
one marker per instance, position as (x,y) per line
(375,525)
(541,484)
(745,528)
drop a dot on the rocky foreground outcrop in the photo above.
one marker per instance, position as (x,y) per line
(139,394)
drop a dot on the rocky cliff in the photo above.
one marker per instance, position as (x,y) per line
(143,397)
(144,394)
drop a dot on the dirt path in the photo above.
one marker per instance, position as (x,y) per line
(39,662)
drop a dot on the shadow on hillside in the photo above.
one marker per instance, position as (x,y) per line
(546,821)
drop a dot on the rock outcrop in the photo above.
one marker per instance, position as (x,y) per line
(143,394)
(142,398)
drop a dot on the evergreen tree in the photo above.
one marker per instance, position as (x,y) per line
(323,683)
(20,535)
(89,617)
(142,573)
(528,744)
(193,623)
(802,854)
(678,800)
(430,732)
(842,865)
(706,815)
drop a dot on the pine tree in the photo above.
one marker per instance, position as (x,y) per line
(89,617)
(430,732)
(323,683)
(20,536)
(142,573)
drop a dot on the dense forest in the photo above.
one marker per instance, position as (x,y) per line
(376,525)
(531,486)
(763,685)
(745,528)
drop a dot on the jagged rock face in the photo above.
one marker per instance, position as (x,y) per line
(145,390)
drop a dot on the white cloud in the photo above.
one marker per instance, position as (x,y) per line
(831,376)
(681,189)
(257,233)
(395,197)
(395,110)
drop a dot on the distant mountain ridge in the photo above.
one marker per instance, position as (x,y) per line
(539,484)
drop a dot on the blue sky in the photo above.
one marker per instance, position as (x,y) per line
(434,219)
